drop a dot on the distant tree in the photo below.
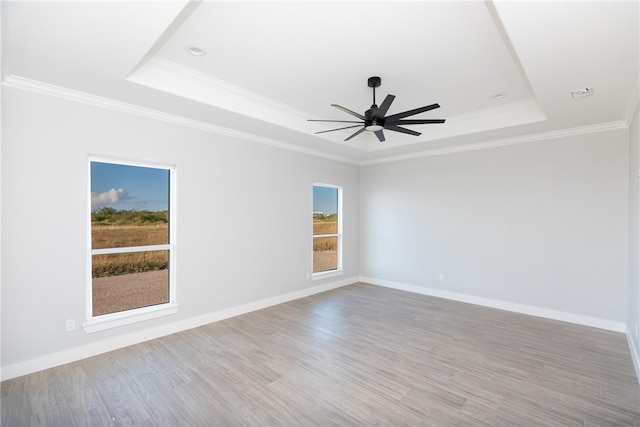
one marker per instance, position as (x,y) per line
(111,216)
(321,217)
(332,217)
(104,214)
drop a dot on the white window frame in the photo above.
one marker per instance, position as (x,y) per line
(339,270)
(127,317)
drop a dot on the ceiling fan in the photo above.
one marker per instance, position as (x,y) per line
(374,119)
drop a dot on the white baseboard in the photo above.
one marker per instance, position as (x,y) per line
(635,354)
(503,305)
(82,352)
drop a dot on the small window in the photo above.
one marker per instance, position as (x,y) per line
(131,250)
(327,228)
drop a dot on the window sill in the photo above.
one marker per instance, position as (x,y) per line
(115,320)
(327,274)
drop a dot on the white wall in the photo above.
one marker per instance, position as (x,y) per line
(244,222)
(542,225)
(538,227)
(633,298)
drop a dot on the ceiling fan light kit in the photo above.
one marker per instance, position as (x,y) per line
(374,119)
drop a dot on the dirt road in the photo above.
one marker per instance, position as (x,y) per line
(128,291)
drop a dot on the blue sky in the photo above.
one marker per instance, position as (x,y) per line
(325,199)
(126,187)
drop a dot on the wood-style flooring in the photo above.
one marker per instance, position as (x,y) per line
(358,355)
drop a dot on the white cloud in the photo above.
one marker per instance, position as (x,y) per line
(108,198)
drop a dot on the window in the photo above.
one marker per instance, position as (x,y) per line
(327,229)
(131,245)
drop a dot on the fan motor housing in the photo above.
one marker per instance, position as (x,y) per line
(369,120)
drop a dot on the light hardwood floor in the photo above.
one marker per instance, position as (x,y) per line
(358,355)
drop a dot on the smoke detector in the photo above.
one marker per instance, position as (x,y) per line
(581,93)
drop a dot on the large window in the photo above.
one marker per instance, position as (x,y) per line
(327,228)
(132,248)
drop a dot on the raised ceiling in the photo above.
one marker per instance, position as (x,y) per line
(270,66)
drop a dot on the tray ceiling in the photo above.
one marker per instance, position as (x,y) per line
(499,70)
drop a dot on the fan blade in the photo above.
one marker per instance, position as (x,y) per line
(331,130)
(384,107)
(419,122)
(401,130)
(395,117)
(346,110)
(380,135)
(356,134)
(334,121)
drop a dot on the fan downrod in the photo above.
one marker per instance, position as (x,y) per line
(374,82)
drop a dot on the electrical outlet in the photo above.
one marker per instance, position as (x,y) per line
(71,324)
(441,276)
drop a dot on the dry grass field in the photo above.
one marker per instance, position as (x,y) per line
(121,236)
(325,227)
(325,260)
(325,249)
(129,280)
(140,279)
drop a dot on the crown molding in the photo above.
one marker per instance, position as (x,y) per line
(22,83)
(167,76)
(214,85)
(603,127)
(516,113)
(42,88)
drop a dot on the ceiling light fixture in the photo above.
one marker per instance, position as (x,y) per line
(196,51)
(373,128)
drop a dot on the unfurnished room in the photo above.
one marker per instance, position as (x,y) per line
(309,213)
